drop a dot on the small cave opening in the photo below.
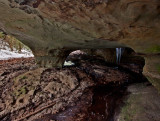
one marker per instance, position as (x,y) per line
(72,57)
(120,57)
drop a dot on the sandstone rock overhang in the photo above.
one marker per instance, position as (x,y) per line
(54,28)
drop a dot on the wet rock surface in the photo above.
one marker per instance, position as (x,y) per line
(89,90)
(141,104)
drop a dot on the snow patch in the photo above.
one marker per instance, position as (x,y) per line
(6,53)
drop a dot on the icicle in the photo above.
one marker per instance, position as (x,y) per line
(119,52)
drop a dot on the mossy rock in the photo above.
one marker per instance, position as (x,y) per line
(142,104)
(152,70)
(21,91)
(26,82)
(153,49)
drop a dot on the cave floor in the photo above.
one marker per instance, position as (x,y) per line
(90,91)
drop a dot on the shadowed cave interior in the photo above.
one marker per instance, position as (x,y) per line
(94,60)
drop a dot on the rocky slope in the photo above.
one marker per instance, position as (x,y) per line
(31,92)
(90,90)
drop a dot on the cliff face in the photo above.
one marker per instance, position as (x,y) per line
(54,28)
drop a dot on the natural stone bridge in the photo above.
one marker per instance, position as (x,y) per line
(54,28)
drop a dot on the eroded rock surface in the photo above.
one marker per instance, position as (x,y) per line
(54,28)
(28,92)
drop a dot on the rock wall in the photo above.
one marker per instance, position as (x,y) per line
(54,28)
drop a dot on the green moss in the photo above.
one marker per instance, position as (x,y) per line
(158,68)
(125,111)
(21,91)
(18,79)
(155,82)
(2,35)
(153,49)
(23,77)
(131,108)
